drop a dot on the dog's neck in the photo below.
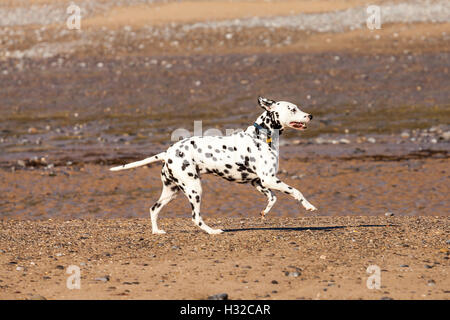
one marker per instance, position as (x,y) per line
(266,128)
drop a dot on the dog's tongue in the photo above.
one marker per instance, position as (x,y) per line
(298,125)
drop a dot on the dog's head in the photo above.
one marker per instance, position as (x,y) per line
(286,114)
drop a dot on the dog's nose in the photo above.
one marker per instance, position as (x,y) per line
(310,117)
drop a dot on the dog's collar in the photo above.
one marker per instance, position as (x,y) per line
(261,128)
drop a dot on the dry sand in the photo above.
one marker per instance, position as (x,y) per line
(196,11)
(282,258)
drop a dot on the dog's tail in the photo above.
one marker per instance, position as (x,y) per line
(155,158)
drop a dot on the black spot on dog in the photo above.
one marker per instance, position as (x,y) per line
(179,154)
(229,166)
(184,165)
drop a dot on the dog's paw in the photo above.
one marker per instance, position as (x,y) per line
(158,231)
(309,207)
(215,231)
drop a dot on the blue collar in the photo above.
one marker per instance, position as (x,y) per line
(268,133)
(259,127)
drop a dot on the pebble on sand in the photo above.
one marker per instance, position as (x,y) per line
(219,296)
(102,279)
(294,274)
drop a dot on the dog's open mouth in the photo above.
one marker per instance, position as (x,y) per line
(298,125)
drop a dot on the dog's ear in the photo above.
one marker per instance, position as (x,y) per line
(265,103)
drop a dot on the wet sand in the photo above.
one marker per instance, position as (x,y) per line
(336,187)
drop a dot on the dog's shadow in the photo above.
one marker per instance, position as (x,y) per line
(327,228)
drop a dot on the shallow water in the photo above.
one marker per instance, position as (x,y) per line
(83,110)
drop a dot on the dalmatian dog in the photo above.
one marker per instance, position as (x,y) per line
(249,156)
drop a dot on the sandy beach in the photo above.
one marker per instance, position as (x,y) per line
(374,160)
(282,258)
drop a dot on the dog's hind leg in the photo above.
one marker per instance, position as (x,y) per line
(169,192)
(271,198)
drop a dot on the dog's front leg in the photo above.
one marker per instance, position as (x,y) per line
(276,184)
